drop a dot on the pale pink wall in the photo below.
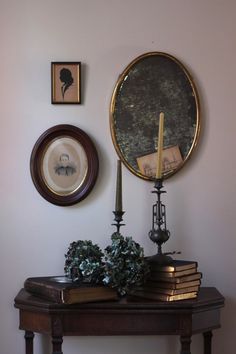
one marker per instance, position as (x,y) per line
(106,35)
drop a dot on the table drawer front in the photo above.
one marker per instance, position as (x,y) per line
(121,324)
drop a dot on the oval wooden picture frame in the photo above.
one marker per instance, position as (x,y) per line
(64,165)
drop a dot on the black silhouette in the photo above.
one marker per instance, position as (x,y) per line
(67,79)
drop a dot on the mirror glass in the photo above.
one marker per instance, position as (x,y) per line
(154,82)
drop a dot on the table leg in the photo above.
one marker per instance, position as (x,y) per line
(29,344)
(185,344)
(57,344)
(207,342)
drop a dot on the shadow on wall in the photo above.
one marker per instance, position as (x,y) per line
(224,339)
(145,344)
(119,344)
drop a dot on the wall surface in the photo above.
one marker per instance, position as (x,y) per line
(105,35)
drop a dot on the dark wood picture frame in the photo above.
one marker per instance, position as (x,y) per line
(65,82)
(64,165)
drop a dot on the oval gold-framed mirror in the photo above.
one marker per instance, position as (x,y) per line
(152,83)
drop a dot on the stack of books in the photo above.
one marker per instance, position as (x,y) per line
(62,290)
(179,280)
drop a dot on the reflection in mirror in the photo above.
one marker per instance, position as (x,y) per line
(152,83)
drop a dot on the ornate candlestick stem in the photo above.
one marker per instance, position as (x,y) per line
(159,234)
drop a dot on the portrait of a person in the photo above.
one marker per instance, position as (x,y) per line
(64,167)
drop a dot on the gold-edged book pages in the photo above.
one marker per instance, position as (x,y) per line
(164,297)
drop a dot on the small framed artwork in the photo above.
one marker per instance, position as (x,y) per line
(64,165)
(66,82)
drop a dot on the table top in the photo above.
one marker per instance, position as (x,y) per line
(127,316)
(207,297)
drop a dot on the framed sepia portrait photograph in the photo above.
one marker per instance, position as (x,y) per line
(66,82)
(64,165)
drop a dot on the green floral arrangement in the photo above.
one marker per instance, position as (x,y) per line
(124,264)
(84,262)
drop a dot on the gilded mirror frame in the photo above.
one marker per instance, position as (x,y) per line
(152,83)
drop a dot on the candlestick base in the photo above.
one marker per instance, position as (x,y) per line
(160,259)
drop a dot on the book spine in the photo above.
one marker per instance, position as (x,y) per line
(44,290)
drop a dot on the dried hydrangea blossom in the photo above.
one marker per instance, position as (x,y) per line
(84,262)
(124,265)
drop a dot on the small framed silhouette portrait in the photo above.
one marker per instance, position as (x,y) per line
(64,165)
(66,82)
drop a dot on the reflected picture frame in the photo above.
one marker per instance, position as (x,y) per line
(64,165)
(66,82)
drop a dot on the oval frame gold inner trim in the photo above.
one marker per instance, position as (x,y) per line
(73,155)
(152,83)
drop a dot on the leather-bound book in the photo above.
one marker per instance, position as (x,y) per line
(62,290)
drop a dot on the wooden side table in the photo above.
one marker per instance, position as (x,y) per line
(124,317)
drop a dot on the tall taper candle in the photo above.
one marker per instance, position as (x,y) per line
(118,206)
(160,146)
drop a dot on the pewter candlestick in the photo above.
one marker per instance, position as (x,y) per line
(118,205)
(159,234)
